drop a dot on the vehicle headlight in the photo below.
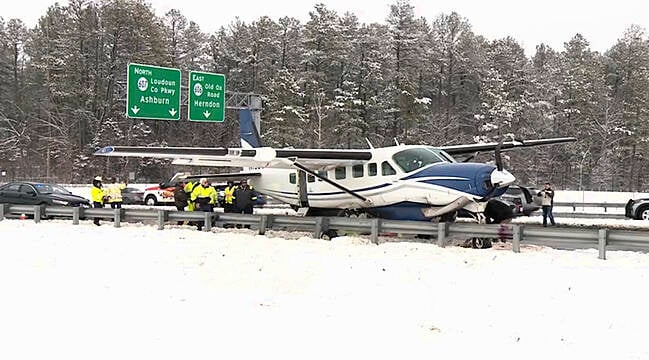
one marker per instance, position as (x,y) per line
(60,202)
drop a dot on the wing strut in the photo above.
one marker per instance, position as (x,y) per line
(302,190)
(331,182)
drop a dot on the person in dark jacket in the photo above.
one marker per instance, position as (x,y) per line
(244,198)
(180,198)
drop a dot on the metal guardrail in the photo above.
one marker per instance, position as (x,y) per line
(574,205)
(443,233)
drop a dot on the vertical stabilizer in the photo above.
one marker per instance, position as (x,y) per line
(248,131)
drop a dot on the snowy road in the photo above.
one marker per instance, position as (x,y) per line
(81,292)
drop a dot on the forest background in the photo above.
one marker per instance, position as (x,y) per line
(330,82)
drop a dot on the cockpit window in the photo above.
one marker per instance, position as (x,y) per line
(443,154)
(416,158)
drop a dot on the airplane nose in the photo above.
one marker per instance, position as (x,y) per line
(502,178)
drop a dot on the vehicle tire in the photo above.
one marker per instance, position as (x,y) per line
(642,213)
(150,200)
(328,235)
(481,243)
(448,217)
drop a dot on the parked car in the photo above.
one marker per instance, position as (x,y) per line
(34,193)
(522,200)
(637,209)
(131,195)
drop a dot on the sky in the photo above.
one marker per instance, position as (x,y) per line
(86,292)
(553,22)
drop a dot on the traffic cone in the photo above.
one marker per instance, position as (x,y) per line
(23,216)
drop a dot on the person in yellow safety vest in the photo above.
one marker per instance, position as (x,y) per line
(228,195)
(97,195)
(204,197)
(189,187)
(114,193)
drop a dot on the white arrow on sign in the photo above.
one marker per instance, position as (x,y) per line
(206,113)
(172,112)
(135,109)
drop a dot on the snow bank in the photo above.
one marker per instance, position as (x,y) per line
(86,292)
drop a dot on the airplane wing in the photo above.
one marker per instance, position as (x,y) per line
(483,147)
(316,159)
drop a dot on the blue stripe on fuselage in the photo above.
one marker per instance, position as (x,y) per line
(401,211)
(466,177)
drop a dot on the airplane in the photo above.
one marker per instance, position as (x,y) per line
(400,182)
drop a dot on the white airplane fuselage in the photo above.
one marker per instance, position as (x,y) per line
(396,182)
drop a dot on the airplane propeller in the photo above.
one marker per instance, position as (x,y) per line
(498,157)
(499,166)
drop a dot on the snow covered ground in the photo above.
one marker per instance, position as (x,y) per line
(86,292)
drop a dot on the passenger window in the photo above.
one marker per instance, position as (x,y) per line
(357,171)
(371,169)
(323,174)
(387,169)
(341,173)
(310,178)
(13,187)
(292,178)
(26,189)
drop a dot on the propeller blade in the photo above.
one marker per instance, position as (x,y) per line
(469,158)
(499,159)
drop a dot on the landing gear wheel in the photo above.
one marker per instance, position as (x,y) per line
(350,213)
(481,243)
(328,235)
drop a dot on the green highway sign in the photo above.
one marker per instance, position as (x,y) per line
(153,92)
(206,97)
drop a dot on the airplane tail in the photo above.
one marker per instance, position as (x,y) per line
(247,130)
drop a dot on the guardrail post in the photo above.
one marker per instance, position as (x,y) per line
(207,221)
(2,212)
(263,222)
(318,228)
(117,217)
(162,218)
(376,226)
(77,213)
(442,231)
(603,237)
(321,226)
(37,213)
(517,232)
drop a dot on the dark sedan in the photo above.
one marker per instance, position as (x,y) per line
(131,195)
(33,193)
